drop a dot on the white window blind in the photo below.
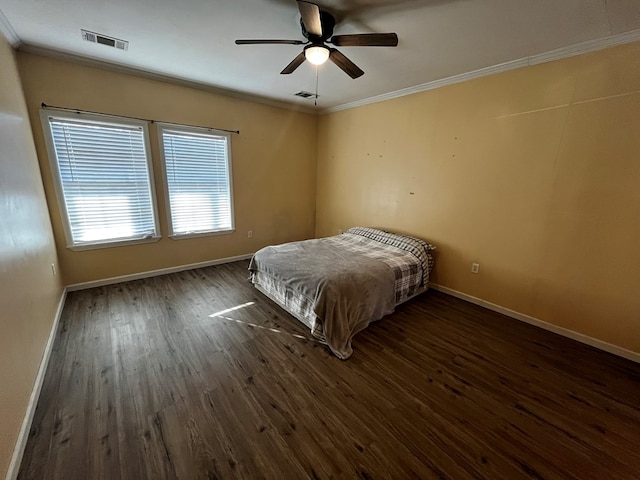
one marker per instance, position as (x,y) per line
(103,175)
(198,180)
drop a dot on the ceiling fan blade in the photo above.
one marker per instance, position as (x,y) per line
(345,64)
(264,42)
(366,40)
(310,13)
(295,63)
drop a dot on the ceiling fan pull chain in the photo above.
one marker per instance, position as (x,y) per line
(315,101)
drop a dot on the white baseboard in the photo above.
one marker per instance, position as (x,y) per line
(565,332)
(23,436)
(155,273)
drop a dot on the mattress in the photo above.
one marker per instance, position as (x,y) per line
(337,285)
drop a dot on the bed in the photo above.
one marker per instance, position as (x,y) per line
(338,285)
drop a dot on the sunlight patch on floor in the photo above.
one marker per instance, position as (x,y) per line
(275,330)
(232,309)
(222,314)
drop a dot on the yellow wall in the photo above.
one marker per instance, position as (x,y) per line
(274,164)
(29,293)
(533,173)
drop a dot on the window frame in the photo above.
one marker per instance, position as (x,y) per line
(45,115)
(160,127)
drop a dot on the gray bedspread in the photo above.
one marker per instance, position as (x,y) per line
(348,290)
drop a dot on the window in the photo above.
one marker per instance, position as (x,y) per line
(103,179)
(197,171)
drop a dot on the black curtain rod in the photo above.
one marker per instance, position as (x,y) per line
(44,105)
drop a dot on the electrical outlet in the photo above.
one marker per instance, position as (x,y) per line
(53,269)
(339,231)
(475,268)
(250,234)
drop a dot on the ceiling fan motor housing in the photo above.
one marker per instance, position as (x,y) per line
(327,21)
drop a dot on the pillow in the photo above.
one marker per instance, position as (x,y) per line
(419,248)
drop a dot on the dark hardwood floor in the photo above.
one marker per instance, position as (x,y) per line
(143,383)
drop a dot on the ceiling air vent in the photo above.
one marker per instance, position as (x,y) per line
(304,94)
(104,40)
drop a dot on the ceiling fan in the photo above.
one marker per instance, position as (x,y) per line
(317,27)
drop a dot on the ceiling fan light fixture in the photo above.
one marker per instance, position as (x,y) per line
(317,27)
(316,54)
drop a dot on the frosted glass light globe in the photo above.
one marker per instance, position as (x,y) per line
(317,55)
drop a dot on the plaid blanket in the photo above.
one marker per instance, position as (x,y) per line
(348,290)
(408,257)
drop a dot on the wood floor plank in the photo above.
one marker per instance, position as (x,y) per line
(198,375)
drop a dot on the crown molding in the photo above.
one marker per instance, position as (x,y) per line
(183,82)
(7,30)
(552,55)
(557,54)
(586,47)
(442,82)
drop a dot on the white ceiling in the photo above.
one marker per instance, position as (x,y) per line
(194,39)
